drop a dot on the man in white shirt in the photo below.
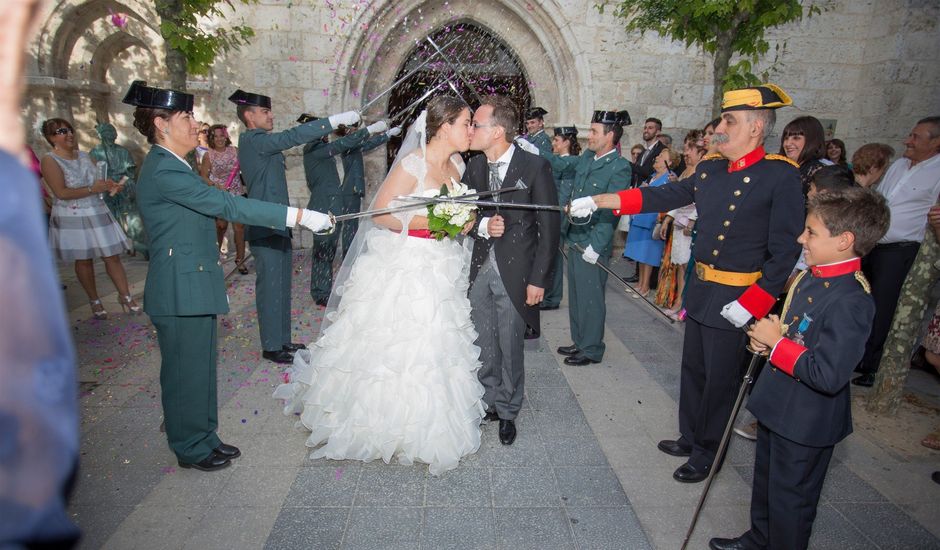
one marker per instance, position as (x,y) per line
(911,186)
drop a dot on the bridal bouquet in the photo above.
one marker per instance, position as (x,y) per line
(446,219)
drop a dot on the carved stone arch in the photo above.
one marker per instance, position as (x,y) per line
(558,70)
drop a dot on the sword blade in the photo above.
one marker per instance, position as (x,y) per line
(456,70)
(410,73)
(510,205)
(480,195)
(413,104)
(379,211)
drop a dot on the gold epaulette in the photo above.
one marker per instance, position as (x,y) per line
(783,158)
(713,156)
(860,277)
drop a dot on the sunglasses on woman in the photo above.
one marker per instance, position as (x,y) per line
(64,130)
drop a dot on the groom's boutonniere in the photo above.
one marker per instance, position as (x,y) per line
(446,219)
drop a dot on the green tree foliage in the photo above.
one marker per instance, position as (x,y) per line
(722,28)
(191,48)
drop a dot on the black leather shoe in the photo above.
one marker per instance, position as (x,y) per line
(690,474)
(491,416)
(228,451)
(569,350)
(579,360)
(633,279)
(321,302)
(935,477)
(671,447)
(727,544)
(546,307)
(292,347)
(279,356)
(866,380)
(507,431)
(531,333)
(209,464)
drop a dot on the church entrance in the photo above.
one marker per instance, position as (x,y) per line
(478,63)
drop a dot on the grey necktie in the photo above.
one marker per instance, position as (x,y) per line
(496,182)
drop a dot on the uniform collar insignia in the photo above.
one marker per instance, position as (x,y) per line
(837,269)
(747,160)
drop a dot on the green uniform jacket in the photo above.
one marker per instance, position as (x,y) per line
(608,174)
(179,212)
(262,165)
(320,169)
(540,140)
(563,170)
(354,175)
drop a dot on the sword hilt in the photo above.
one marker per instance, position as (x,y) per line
(332,227)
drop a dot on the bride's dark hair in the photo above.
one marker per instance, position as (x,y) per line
(442,109)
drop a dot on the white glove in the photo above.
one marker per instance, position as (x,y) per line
(735,313)
(377,127)
(524,144)
(589,255)
(344,119)
(582,208)
(315,221)
(394,131)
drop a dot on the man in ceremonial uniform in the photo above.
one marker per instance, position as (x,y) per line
(751,210)
(535,129)
(262,165)
(354,176)
(327,194)
(599,170)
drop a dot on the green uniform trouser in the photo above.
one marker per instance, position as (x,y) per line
(555,292)
(188,384)
(321,272)
(586,306)
(272,290)
(351,204)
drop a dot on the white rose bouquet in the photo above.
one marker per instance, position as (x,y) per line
(446,219)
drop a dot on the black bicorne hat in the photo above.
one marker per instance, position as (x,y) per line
(247,98)
(141,95)
(621,118)
(566,131)
(307,118)
(535,112)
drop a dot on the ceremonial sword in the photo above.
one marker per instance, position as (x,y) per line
(456,71)
(369,103)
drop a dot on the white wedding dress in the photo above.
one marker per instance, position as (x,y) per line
(394,373)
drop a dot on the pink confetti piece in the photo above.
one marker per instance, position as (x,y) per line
(338,474)
(168,469)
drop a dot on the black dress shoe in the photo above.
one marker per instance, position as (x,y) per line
(209,464)
(320,302)
(674,448)
(690,474)
(866,380)
(531,333)
(491,416)
(292,347)
(728,544)
(279,356)
(228,451)
(935,477)
(569,350)
(633,279)
(507,431)
(579,360)
(546,307)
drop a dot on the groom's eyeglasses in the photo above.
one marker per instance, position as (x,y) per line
(477,125)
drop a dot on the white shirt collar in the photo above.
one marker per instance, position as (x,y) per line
(614,150)
(852,259)
(175,155)
(506,157)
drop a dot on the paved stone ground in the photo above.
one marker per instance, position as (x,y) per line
(584,472)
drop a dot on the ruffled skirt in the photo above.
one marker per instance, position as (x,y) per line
(394,375)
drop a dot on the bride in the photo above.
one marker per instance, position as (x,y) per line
(394,371)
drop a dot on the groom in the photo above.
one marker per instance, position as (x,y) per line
(513,254)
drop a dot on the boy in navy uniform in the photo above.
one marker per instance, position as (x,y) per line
(802,402)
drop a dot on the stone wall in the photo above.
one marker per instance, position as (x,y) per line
(869,65)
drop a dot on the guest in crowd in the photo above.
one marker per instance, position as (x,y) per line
(643,167)
(804,142)
(911,186)
(220,166)
(641,246)
(203,146)
(81,227)
(870,162)
(123,205)
(707,132)
(566,152)
(835,152)
(635,152)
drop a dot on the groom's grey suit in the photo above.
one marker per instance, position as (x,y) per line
(502,268)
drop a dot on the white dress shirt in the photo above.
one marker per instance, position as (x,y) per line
(505,158)
(910,192)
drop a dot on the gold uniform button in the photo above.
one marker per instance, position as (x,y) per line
(703,175)
(809,299)
(714,252)
(747,179)
(726,223)
(721,237)
(695,188)
(731,207)
(711,266)
(737,192)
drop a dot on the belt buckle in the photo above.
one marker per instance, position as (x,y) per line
(700,271)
